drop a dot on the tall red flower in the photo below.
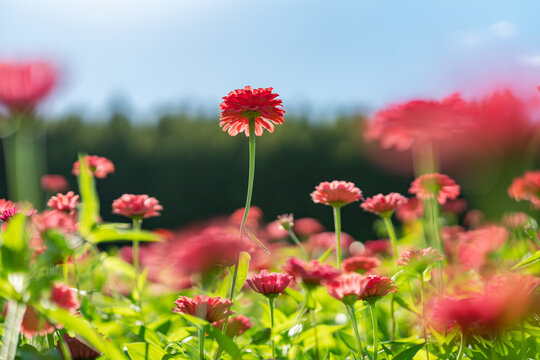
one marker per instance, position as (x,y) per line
(67,203)
(527,188)
(311,273)
(99,166)
(347,288)
(136,206)
(336,193)
(384,205)
(441,186)
(377,287)
(269,284)
(360,264)
(23,85)
(241,105)
(54,183)
(204,307)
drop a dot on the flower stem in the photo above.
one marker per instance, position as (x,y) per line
(202,335)
(337,229)
(393,315)
(437,236)
(137,227)
(12,327)
(315,333)
(373,311)
(461,345)
(271,305)
(423,299)
(391,234)
(298,243)
(352,316)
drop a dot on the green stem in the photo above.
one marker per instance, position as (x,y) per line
(271,305)
(375,325)
(137,228)
(337,229)
(298,243)
(202,335)
(438,240)
(352,315)
(461,345)
(422,300)
(391,234)
(392,314)
(65,270)
(315,333)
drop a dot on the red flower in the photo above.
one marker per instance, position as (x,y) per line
(403,125)
(54,183)
(253,220)
(307,226)
(136,206)
(237,325)
(24,85)
(437,185)
(411,211)
(67,203)
(312,273)
(456,206)
(360,264)
(419,260)
(374,247)
(475,245)
(204,307)
(527,188)
(65,297)
(384,205)
(321,242)
(269,284)
(7,210)
(99,166)
(515,220)
(241,105)
(78,349)
(54,219)
(347,288)
(377,287)
(336,193)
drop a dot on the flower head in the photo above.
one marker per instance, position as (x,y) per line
(360,264)
(384,205)
(286,221)
(24,85)
(321,242)
(269,284)
(419,260)
(98,165)
(347,288)
(515,220)
(307,226)
(412,210)
(527,188)
(67,203)
(65,297)
(377,287)
(428,186)
(204,307)
(54,219)
(242,105)
(7,210)
(54,183)
(311,273)
(456,206)
(236,325)
(336,193)
(136,206)
(377,247)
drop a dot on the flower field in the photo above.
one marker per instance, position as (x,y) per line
(441,281)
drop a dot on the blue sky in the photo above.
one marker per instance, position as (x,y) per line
(317,54)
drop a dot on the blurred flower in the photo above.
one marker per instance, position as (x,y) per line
(54,220)
(419,260)
(286,221)
(474,219)
(377,287)
(456,206)
(321,242)
(204,307)
(410,211)
(54,183)
(336,193)
(99,166)
(360,264)
(79,349)
(451,236)
(67,203)
(311,273)
(515,220)
(269,284)
(7,210)
(23,85)
(236,325)
(254,218)
(374,247)
(475,245)
(274,231)
(428,186)
(307,226)
(347,288)
(383,205)
(241,105)
(136,206)
(527,188)
(64,297)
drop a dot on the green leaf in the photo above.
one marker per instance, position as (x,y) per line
(256,240)
(7,291)
(225,342)
(348,340)
(401,302)
(528,261)
(296,295)
(409,353)
(326,254)
(15,254)
(101,235)
(243,267)
(144,351)
(89,208)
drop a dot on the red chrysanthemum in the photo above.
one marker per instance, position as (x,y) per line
(54,183)
(419,260)
(67,203)
(136,206)
(236,325)
(336,193)
(428,186)
(527,188)
(7,210)
(99,166)
(311,273)
(377,287)
(24,85)
(360,264)
(269,284)
(347,288)
(241,105)
(204,307)
(384,205)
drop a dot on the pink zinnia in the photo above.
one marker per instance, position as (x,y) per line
(419,260)
(7,210)
(241,105)
(515,220)
(65,297)
(377,287)
(456,206)
(307,226)
(67,203)
(136,206)
(377,247)
(323,241)
(347,288)
(475,245)
(269,284)
(237,325)
(286,221)
(24,85)
(527,188)
(99,166)
(311,273)
(54,219)
(428,186)
(384,205)
(204,307)
(54,183)
(411,211)
(336,193)
(360,264)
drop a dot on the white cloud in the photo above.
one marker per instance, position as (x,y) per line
(532,60)
(473,37)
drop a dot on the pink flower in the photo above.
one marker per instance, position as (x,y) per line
(360,264)
(527,188)
(384,205)
(237,325)
(515,220)
(7,210)
(475,245)
(377,287)
(336,193)
(54,219)
(319,243)
(67,203)
(255,216)
(286,221)
(269,284)
(241,105)
(419,260)
(136,206)
(380,246)
(54,183)
(204,307)
(307,226)
(428,186)
(65,297)
(456,206)
(311,273)
(99,166)
(23,85)
(347,288)
(411,211)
